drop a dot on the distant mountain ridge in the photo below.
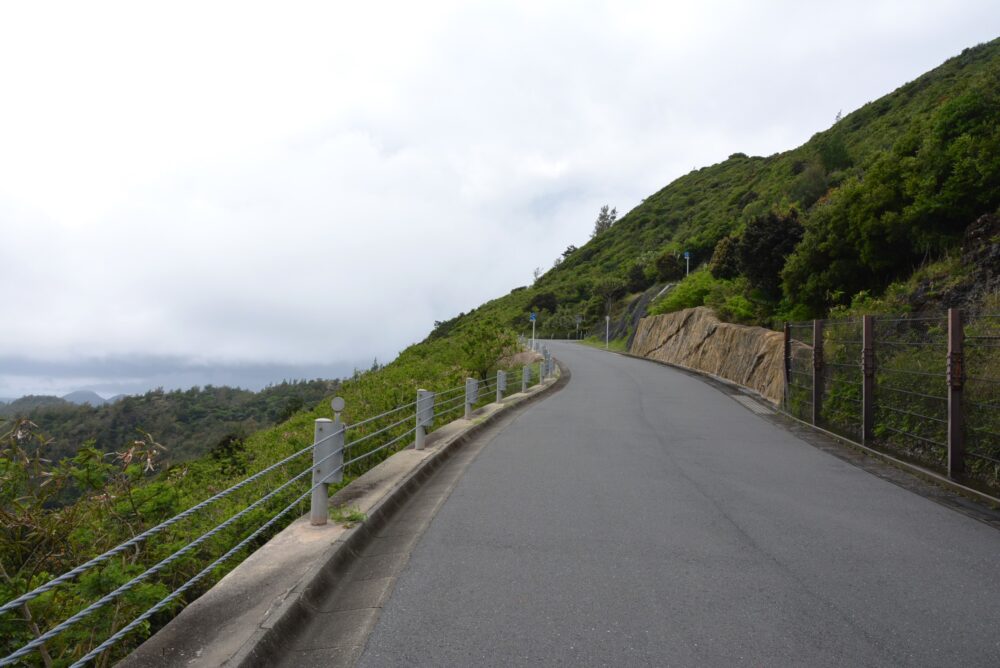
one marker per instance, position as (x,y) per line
(81,397)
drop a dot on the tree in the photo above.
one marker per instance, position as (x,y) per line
(537,273)
(605,219)
(569,251)
(609,289)
(764,246)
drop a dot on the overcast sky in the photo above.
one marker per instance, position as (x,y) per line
(244,192)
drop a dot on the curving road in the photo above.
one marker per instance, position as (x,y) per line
(642,517)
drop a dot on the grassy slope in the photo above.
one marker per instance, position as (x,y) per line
(697,210)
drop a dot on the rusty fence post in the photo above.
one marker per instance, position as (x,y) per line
(868,379)
(956,379)
(788,365)
(817,394)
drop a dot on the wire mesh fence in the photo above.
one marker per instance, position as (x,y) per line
(982,396)
(799,370)
(910,398)
(924,388)
(841,375)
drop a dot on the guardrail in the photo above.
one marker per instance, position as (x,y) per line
(925,388)
(338,450)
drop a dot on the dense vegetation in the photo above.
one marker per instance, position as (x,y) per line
(862,204)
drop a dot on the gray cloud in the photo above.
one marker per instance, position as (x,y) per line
(300,194)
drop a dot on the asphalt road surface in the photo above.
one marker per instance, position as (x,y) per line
(641,517)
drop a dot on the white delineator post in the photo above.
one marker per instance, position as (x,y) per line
(525,377)
(501,385)
(425,417)
(328,465)
(471,395)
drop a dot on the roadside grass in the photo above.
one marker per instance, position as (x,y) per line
(618,345)
(347,515)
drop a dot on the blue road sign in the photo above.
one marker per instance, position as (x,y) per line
(531,318)
(687,255)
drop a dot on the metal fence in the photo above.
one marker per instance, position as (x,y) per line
(339,451)
(924,388)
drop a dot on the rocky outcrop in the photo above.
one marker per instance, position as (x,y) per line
(695,338)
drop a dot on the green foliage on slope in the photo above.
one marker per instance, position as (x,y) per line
(885,189)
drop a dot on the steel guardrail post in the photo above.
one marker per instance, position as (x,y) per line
(425,417)
(956,382)
(501,385)
(541,372)
(323,464)
(788,365)
(868,379)
(525,377)
(471,396)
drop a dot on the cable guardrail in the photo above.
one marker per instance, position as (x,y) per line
(924,388)
(96,561)
(328,466)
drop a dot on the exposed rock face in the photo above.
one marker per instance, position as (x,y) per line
(696,339)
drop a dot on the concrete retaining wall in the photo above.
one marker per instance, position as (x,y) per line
(696,339)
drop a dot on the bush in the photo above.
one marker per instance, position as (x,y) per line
(544,301)
(689,293)
(636,279)
(725,261)
(668,266)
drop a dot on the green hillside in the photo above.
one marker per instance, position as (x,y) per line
(884,190)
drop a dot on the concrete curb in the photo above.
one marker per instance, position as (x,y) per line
(185,640)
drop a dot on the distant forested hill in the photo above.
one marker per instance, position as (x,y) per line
(187,423)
